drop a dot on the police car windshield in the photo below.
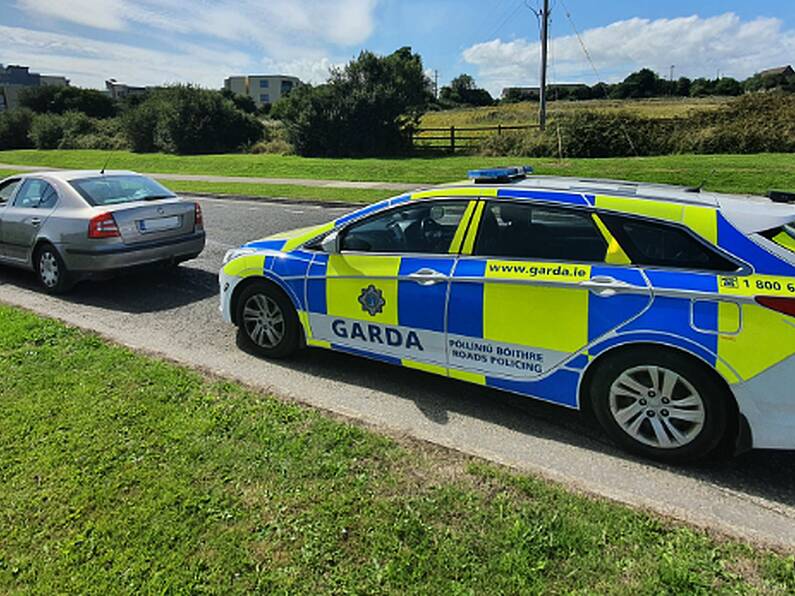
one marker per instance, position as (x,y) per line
(99,191)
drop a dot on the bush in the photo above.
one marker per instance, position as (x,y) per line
(60,100)
(15,129)
(370,107)
(75,130)
(187,120)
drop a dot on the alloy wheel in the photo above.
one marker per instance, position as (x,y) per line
(264,321)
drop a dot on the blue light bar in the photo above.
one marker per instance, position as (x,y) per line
(500,174)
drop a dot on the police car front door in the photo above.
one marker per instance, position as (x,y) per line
(535,293)
(386,291)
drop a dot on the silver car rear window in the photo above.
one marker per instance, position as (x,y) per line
(115,189)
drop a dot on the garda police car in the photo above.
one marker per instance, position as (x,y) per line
(668,312)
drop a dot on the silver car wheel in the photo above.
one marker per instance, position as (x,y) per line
(657,407)
(49,271)
(264,321)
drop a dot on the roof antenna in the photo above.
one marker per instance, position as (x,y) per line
(105,165)
(700,187)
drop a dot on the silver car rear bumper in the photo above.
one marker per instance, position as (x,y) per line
(111,257)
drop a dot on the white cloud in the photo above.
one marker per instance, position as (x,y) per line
(697,46)
(200,41)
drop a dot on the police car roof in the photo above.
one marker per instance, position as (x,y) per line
(749,213)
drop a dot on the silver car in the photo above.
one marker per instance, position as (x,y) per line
(72,225)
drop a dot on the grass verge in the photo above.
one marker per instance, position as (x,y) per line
(122,473)
(725,173)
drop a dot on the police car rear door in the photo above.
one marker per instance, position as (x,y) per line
(542,283)
(386,288)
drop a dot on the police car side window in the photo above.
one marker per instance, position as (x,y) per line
(526,231)
(657,244)
(426,227)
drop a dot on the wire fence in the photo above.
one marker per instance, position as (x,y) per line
(459,138)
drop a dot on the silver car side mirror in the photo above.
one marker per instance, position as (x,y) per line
(331,243)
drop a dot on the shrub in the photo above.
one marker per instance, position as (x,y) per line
(15,129)
(186,120)
(370,107)
(59,131)
(59,100)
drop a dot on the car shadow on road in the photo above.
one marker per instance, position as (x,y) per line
(766,474)
(145,291)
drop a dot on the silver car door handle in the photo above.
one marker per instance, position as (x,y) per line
(427,277)
(35,221)
(606,286)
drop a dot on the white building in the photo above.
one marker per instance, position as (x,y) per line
(263,89)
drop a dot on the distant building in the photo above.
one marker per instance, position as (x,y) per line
(785,71)
(14,78)
(263,89)
(534,93)
(118,90)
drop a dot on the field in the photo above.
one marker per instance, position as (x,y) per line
(754,174)
(513,114)
(120,473)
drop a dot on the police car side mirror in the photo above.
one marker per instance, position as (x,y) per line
(331,243)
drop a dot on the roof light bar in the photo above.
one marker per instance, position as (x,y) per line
(492,175)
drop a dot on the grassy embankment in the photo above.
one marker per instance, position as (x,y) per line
(120,473)
(726,173)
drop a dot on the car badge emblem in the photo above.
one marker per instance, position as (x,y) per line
(372,300)
(161,211)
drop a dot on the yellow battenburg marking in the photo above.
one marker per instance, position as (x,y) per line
(703,221)
(785,240)
(658,209)
(299,237)
(729,319)
(429,368)
(455,192)
(472,233)
(345,285)
(766,338)
(318,343)
(727,373)
(469,377)
(246,266)
(303,317)
(455,245)
(522,313)
(757,285)
(615,254)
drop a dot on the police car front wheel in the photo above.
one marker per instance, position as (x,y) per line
(660,404)
(267,322)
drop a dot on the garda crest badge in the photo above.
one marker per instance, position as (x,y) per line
(372,300)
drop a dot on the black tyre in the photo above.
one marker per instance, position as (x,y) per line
(267,322)
(54,278)
(660,404)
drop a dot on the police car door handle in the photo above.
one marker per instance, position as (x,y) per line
(427,277)
(606,286)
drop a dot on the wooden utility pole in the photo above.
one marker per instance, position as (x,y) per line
(542,90)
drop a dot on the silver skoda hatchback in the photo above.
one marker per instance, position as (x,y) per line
(71,225)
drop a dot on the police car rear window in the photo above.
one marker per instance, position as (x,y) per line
(528,231)
(657,244)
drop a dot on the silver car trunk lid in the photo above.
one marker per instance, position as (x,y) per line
(147,221)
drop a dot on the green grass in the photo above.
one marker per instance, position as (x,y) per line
(120,473)
(285,191)
(724,173)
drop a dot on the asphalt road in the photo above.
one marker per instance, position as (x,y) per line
(175,314)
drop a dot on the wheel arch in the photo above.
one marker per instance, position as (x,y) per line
(40,242)
(248,281)
(737,431)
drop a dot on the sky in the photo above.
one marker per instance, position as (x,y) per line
(149,42)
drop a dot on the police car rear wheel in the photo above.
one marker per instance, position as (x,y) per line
(267,322)
(660,404)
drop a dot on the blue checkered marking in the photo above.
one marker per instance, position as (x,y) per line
(420,306)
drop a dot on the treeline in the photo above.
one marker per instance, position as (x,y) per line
(645,84)
(179,119)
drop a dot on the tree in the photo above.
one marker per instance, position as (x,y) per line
(369,107)
(184,119)
(644,83)
(682,87)
(59,100)
(244,103)
(15,128)
(728,86)
(462,90)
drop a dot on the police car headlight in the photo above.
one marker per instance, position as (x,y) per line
(231,255)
